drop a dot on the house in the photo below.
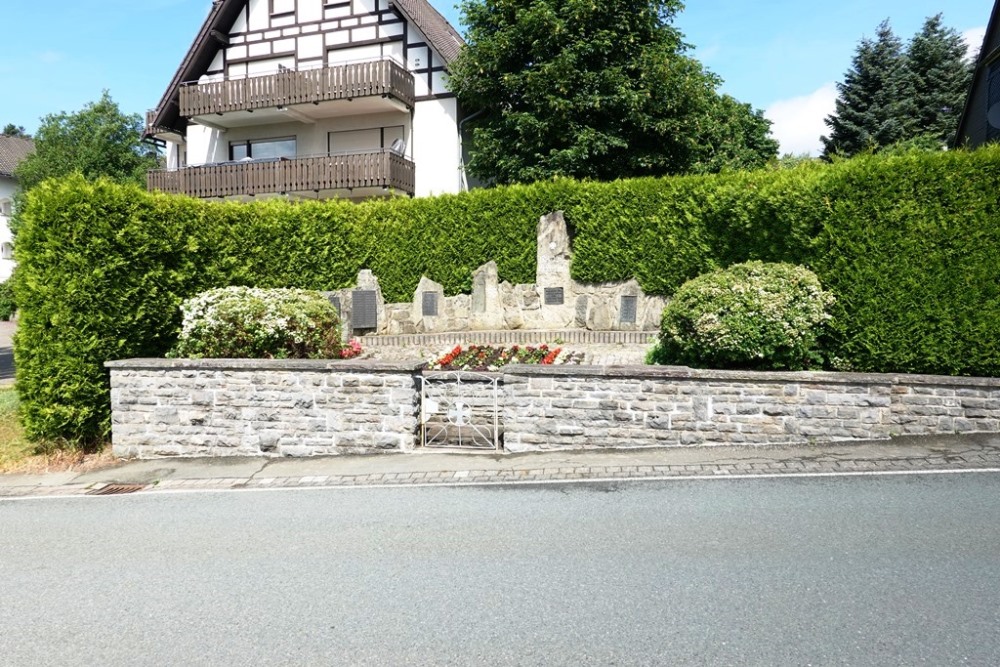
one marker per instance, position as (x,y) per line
(980,121)
(12,151)
(312,99)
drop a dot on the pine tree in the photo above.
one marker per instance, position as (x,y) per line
(941,78)
(875,106)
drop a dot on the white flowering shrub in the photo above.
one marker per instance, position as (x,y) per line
(256,323)
(751,316)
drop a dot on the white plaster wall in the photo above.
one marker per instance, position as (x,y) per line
(436,147)
(205,145)
(310,10)
(175,157)
(7,189)
(260,15)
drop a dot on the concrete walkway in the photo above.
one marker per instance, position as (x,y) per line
(902,455)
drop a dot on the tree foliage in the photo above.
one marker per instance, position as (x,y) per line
(875,106)
(11,130)
(597,90)
(99,140)
(941,78)
(891,94)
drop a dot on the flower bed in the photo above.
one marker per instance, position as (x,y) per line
(351,350)
(490,358)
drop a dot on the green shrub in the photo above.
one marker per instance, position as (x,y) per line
(752,315)
(258,323)
(7,305)
(907,243)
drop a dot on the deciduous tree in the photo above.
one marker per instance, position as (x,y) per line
(598,90)
(98,140)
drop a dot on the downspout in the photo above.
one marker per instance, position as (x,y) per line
(462,182)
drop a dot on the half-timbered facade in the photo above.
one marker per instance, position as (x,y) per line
(312,98)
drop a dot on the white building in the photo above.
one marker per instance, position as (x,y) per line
(12,151)
(313,99)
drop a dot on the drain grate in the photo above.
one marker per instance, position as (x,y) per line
(116,489)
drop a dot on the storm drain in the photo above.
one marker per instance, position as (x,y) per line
(116,489)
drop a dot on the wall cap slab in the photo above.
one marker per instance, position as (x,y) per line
(330,365)
(813,377)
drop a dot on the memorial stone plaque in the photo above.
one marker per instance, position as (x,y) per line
(364,309)
(628,309)
(553,296)
(335,302)
(430,304)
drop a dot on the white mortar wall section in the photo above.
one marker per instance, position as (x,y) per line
(436,147)
(7,189)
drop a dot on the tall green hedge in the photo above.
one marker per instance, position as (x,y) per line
(908,245)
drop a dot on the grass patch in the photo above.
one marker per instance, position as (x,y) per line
(19,455)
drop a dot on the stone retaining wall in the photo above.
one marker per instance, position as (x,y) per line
(298,408)
(564,407)
(231,407)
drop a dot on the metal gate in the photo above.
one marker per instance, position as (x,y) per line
(459,410)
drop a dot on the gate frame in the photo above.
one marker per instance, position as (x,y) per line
(478,434)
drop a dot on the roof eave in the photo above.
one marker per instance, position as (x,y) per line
(982,60)
(222,15)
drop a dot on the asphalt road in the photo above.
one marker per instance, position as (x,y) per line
(829,571)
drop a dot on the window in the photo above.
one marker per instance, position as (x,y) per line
(282,7)
(262,149)
(360,141)
(6,251)
(6,207)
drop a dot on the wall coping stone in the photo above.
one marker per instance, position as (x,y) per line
(329,365)
(553,370)
(683,372)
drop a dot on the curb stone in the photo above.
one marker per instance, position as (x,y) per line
(984,461)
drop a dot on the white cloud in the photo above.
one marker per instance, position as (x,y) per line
(798,122)
(974,39)
(49,57)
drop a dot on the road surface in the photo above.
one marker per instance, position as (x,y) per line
(829,571)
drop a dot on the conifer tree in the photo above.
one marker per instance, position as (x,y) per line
(875,107)
(941,78)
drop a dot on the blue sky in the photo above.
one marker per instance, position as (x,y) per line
(783,56)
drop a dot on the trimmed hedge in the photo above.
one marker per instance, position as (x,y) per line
(907,244)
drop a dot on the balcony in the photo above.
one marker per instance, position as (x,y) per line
(371,86)
(360,173)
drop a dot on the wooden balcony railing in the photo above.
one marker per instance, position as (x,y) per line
(340,82)
(376,169)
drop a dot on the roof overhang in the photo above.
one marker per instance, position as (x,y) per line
(983,60)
